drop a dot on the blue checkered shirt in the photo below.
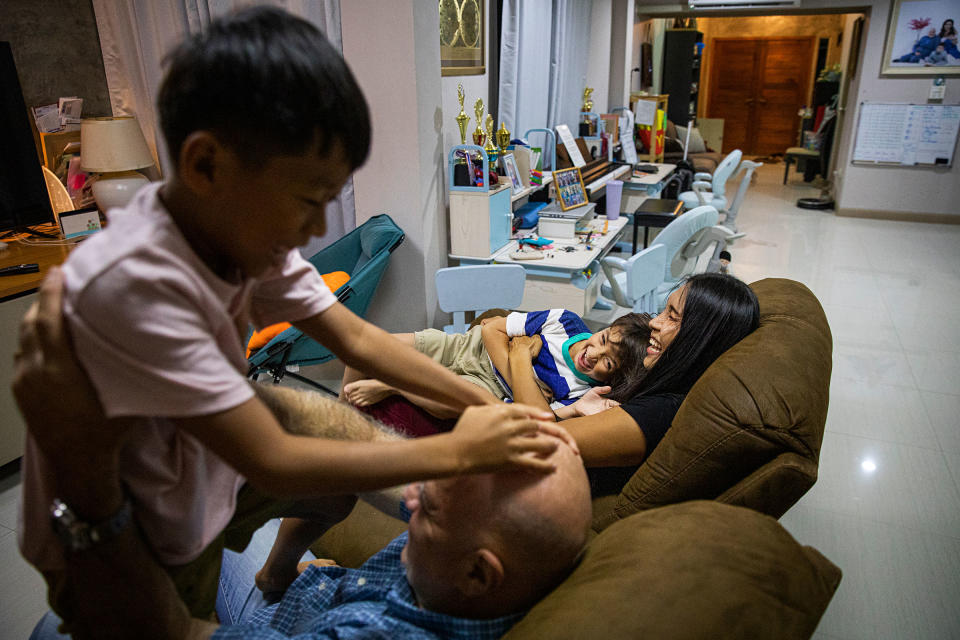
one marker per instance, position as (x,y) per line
(374,601)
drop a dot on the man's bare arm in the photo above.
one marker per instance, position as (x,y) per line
(496,342)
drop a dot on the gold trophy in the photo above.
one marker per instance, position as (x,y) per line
(503,137)
(587,102)
(478,136)
(491,148)
(462,118)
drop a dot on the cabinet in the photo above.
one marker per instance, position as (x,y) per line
(682,49)
(481,217)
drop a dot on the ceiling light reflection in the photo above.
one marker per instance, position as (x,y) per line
(868,465)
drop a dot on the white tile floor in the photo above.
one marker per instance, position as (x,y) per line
(891,291)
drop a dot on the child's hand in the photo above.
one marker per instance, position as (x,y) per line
(492,437)
(528,346)
(593,402)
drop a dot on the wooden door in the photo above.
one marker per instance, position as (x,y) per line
(757,86)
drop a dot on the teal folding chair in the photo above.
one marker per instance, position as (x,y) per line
(364,253)
(478,288)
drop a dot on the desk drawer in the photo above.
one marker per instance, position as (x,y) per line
(553,293)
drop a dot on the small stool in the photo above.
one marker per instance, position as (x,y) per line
(799,155)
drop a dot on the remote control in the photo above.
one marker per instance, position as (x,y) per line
(20,269)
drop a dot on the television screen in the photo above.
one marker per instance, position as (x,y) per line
(23,191)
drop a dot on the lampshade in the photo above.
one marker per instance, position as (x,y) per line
(113,144)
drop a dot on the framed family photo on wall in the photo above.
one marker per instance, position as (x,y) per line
(922,38)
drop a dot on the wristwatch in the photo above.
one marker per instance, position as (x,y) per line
(78,535)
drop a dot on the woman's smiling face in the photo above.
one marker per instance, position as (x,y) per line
(664,327)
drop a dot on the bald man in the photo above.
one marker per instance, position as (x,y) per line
(479,550)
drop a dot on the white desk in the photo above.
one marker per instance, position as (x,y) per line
(565,279)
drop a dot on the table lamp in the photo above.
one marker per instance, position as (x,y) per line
(114,148)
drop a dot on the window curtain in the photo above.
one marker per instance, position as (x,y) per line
(543,63)
(135,35)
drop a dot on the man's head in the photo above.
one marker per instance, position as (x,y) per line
(264,123)
(487,545)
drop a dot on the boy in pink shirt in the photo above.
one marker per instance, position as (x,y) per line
(264,124)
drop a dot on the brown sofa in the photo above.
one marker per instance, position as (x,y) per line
(748,434)
(703,161)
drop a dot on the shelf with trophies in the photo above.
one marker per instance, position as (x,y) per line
(482,200)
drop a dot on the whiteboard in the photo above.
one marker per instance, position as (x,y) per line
(907,134)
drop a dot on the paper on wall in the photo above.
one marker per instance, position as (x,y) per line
(571,145)
(645,112)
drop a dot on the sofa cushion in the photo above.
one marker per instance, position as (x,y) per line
(694,570)
(766,396)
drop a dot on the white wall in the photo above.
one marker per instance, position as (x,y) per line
(621,49)
(395,56)
(598,62)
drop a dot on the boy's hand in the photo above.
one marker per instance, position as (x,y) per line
(528,346)
(493,437)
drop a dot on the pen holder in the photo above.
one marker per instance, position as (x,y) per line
(614,194)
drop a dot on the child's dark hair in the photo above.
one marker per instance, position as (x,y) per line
(631,345)
(718,311)
(266,83)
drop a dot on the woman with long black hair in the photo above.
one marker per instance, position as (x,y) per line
(703,318)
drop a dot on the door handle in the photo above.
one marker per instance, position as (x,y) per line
(748,100)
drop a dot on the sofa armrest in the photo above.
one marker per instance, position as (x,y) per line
(775,487)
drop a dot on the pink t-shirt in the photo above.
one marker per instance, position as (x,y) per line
(160,336)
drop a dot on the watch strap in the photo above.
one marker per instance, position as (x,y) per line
(78,535)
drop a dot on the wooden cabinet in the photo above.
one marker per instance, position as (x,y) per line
(480,221)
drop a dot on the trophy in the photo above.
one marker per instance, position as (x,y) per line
(587,126)
(503,137)
(478,136)
(587,102)
(462,118)
(490,148)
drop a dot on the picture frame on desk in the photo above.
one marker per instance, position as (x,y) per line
(510,168)
(571,193)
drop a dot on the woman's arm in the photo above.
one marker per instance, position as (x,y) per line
(608,439)
(523,380)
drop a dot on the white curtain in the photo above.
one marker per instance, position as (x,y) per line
(135,35)
(543,62)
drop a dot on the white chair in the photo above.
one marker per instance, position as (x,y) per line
(686,239)
(478,288)
(745,170)
(712,190)
(635,286)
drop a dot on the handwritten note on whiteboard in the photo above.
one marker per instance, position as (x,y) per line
(907,134)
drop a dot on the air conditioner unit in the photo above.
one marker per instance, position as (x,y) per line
(721,5)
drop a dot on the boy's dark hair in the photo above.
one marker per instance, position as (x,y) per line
(631,346)
(266,83)
(718,311)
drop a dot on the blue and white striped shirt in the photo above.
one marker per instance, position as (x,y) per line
(558,329)
(374,601)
